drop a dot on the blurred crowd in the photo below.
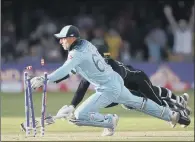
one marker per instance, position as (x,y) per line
(131,31)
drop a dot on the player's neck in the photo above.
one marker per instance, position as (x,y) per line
(74,43)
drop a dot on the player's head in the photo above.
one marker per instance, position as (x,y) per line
(182,24)
(67,36)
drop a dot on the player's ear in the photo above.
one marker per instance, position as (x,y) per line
(60,40)
(74,38)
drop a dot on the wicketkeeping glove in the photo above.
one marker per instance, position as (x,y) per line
(65,112)
(37,82)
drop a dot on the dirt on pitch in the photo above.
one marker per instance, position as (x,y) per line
(96,136)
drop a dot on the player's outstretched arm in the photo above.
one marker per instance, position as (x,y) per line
(169,15)
(72,61)
(64,78)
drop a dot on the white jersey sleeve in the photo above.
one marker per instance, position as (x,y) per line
(74,58)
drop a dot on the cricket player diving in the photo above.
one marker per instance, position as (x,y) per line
(139,84)
(85,60)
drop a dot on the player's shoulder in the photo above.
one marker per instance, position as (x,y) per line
(79,45)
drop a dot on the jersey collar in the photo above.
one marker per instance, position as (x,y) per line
(73,45)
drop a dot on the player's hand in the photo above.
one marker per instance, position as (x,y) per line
(167,10)
(37,82)
(65,112)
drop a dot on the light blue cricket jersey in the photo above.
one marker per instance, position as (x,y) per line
(86,61)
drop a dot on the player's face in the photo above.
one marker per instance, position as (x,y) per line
(66,42)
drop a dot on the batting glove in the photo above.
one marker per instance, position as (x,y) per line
(37,82)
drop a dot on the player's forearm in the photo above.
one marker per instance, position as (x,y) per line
(80,93)
(58,74)
(57,81)
(61,72)
(70,64)
(65,77)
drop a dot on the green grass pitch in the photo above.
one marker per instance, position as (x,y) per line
(132,125)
